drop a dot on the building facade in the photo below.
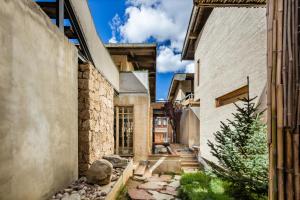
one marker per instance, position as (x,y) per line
(227,45)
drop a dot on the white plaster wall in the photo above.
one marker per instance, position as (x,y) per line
(232,47)
(38,104)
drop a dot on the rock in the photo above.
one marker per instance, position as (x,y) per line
(165,177)
(137,194)
(160,196)
(100,172)
(116,161)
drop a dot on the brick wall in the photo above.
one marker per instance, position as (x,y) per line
(95,116)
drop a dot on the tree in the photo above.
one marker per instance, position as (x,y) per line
(241,149)
(173,111)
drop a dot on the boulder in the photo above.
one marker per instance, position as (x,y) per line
(100,172)
(116,161)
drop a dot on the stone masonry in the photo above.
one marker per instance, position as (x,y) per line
(95,116)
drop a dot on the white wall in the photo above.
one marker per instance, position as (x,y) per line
(232,47)
(38,104)
(102,59)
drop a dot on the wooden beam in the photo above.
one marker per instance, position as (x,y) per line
(50,9)
(69,32)
(117,130)
(123,129)
(193,36)
(60,14)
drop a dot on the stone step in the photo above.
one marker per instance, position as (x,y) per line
(189,159)
(189,169)
(189,164)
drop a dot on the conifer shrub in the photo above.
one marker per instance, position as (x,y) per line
(242,152)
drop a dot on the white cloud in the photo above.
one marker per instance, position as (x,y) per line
(168,61)
(115,27)
(113,39)
(164,20)
(146,22)
(190,68)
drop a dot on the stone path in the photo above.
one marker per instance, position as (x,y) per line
(164,187)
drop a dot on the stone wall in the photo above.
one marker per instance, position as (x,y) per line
(96,116)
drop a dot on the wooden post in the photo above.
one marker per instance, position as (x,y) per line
(60,15)
(117,130)
(123,128)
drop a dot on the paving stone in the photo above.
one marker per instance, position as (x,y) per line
(177,177)
(160,196)
(166,177)
(175,184)
(170,192)
(137,194)
(151,186)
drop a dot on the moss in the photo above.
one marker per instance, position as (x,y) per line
(122,194)
(200,186)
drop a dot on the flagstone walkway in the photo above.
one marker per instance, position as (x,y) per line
(164,187)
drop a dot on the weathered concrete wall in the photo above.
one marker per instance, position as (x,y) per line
(142,120)
(96,116)
(232,47)
(182,89)
(189,128)
(38,103)
(102,59)
(134,82)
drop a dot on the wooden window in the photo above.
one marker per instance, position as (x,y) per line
(233,96)
(198,72)
(123,132)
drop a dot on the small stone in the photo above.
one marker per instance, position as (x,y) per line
(103,193)
(59,196)
(177,177)
(116,161)
(68,190)
(74,197)
(82,179)
(81,192)
(114,178)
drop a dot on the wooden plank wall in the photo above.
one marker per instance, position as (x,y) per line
(283,98)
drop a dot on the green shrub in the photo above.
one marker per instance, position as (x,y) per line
(200,186)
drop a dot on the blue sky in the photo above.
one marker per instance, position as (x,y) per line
(135,21)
